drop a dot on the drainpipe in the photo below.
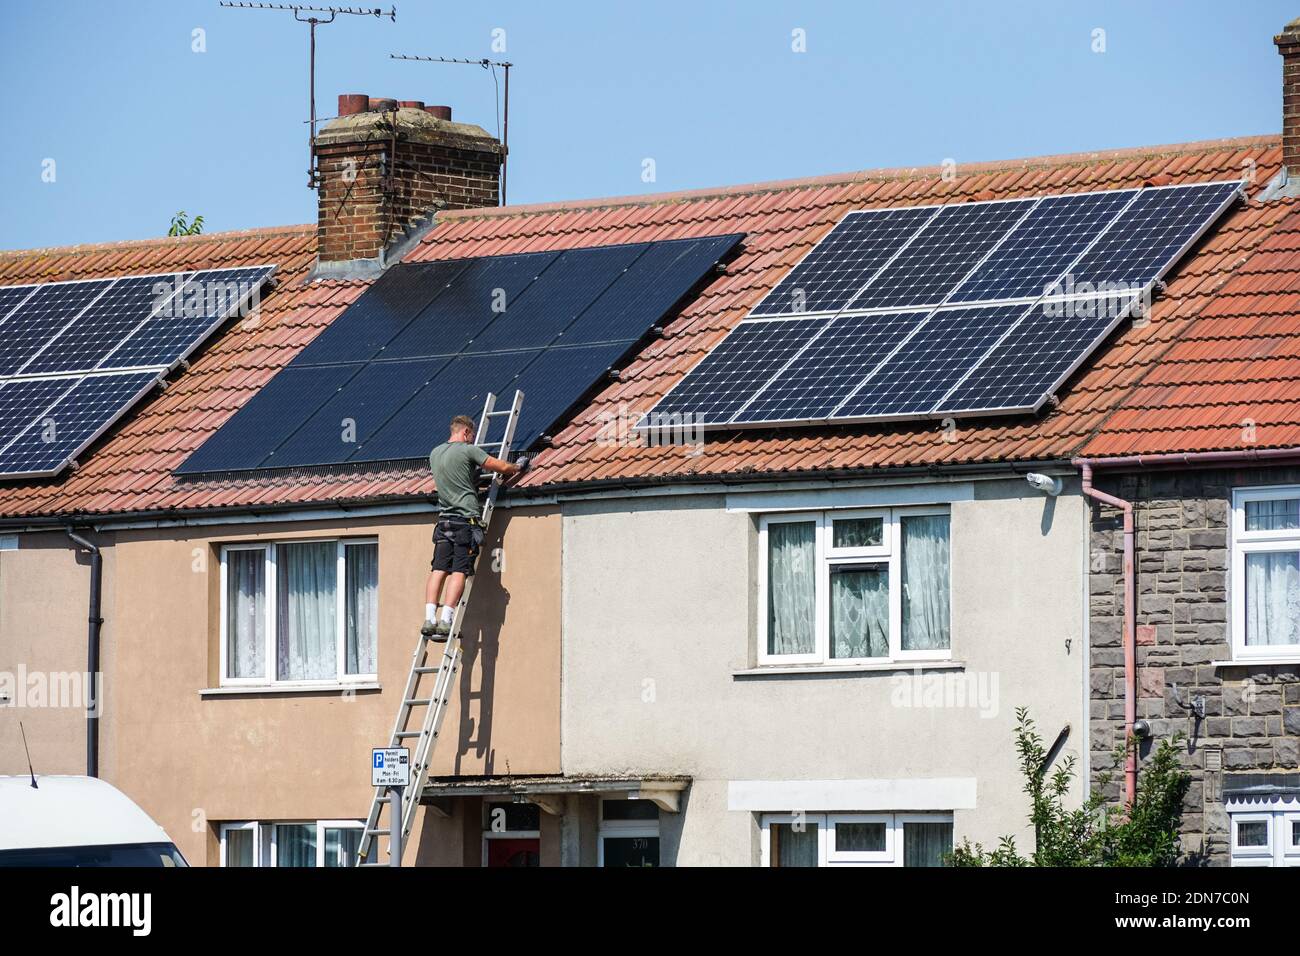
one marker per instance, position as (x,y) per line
(92,652)
(1130,629)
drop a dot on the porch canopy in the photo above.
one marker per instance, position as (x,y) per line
(549,791)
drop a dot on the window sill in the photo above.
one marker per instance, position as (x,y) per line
(764,670)
(275,690)
(1292,660)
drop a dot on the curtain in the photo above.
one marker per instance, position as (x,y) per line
(295,844)
(342,845)
(239,847)
(245,613)
(926,844)
(791,847)
(925,582)
(1272,598)
(856,532)
(791,589)
(361,580)
(859,612)
(306,613)
(859,837)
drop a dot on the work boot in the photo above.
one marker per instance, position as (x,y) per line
(428,629)
(442,630)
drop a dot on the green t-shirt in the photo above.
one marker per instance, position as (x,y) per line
(455,466)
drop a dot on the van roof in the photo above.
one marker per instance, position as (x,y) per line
(70,811)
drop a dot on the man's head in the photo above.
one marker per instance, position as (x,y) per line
(462,428)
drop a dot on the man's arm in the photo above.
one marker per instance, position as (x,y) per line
(501,467)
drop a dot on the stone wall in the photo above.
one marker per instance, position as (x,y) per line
(1252,712)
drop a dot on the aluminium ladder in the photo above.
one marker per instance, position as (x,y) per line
(434,706)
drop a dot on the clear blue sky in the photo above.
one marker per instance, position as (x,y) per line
(140,126)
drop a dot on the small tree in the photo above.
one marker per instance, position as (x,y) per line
(1094,834)
(181,226)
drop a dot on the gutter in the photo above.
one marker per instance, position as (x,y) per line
(1271,456)
(95,623)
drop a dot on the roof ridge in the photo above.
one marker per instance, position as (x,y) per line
(861,176)
(97,248)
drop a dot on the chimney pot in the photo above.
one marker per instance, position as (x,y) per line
(441,112)
(381,103)
(351,103)
(411,104)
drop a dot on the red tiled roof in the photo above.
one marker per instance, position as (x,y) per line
(1222,346)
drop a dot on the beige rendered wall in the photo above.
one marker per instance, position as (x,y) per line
(660,604)
(192,760)
(44,593)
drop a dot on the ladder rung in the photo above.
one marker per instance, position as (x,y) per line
(418,701)
(382,832)
(494,414)
(409,733)
(375,864)
(425,670)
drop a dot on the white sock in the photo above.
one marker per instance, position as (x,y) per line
(448,613)
(431,612)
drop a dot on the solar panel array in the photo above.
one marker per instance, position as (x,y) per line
(75,356)
(427,341)
(967,309)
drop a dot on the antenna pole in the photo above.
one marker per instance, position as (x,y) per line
(486,64)
(27,751)
(312,21)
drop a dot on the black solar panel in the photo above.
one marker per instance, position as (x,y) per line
(750,356)
(940,257)
(931,362)
(830,367)
(842,263)
(428,341)
(1047,344)
(986,309)
(75,356)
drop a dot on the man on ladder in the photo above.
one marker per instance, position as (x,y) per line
(457,536)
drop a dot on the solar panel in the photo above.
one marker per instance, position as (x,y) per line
(985,308)
(831,366)
(427,341)
(75,356)
(842,263)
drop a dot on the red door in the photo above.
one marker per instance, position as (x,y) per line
(514,851)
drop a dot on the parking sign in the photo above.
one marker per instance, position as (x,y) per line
(390,767)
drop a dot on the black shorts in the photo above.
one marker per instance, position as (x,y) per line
(456,544)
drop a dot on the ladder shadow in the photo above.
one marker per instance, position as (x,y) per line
(480,649)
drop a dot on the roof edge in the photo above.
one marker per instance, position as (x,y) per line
(862,176)
(95,248)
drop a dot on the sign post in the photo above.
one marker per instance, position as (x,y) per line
(391,767)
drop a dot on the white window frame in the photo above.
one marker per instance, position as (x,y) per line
(888,553)
(272,644)
(1243,543)
(490,834)
(265,835)
(827,855)
(1278,817)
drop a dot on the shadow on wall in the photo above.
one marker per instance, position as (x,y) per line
(480,645)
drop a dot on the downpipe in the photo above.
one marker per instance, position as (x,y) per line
(95,623)
(1130,630)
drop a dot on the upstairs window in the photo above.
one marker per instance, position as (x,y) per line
(1265,570)
(299,612)
(854,586)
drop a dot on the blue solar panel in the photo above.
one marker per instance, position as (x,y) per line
(1030,363)
(56,339)
(830,367)
(1037,251)
(547,383)
(931,361)
(80,415)
(843,262)
(938,328)
(941,256)
(715,389)
(28,329)
(1151,233)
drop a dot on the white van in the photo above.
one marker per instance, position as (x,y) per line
(77,821)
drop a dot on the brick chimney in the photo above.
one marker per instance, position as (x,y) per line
(1288,44)
(385,168)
